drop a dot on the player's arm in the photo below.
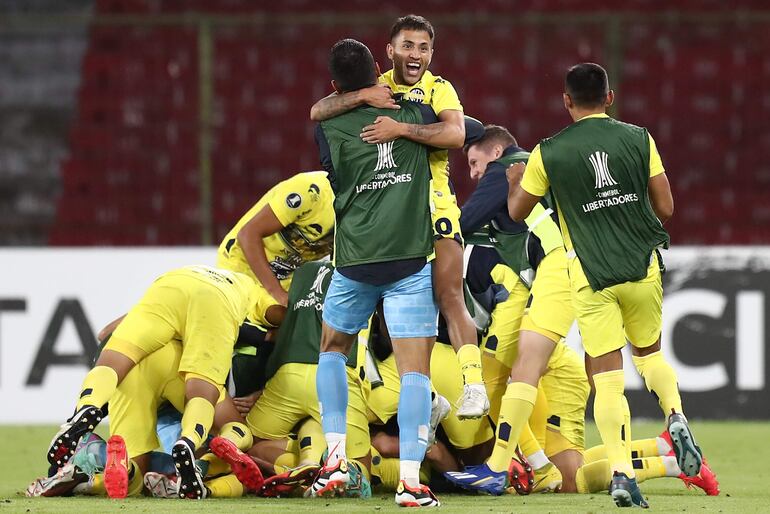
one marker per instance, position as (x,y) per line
(335,104)
(449,132)
(658,188)
(660,197)
(520,200)
(263,224)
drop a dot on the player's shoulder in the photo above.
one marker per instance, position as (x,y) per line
(435,81)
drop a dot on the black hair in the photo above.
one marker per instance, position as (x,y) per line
(351,65)
(412,22)
(587,84)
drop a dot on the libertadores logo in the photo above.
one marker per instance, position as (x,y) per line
(601,170)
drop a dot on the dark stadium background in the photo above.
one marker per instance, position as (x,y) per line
(150,122)
(159,123)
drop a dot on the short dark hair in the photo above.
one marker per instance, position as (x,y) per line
(587,84)
(493,134)
(351,65)
(412,22)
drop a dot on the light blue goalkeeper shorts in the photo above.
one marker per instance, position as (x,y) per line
(410,309)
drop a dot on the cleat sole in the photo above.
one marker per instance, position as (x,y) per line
(243,467)
(688,454)
(115,472)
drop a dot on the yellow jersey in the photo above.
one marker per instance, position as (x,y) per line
(441,96)
(304,204)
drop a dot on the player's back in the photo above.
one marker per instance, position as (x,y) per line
(382,190)
(599,171)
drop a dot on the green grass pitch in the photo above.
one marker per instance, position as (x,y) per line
(738,452)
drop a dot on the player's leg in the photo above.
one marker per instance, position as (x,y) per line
(347,308)
(471,439)
(448,286)
(411,315)
(139,334)
(600,322)
(500,343)
(642,313)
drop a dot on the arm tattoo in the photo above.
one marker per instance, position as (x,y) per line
(334,105)
(421,133)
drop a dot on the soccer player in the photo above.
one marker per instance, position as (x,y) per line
(521,342)
(382,245)
(291,224)
(203,307)
(133,411)
(612,196)
(410,48)
(289,396)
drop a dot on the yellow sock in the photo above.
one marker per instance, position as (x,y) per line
(610,417)
(227,486)
(312,442)
(538,420)
(197,419)
(97,487)
(135,480)
(640,449)
(593,477)
(239,434)
(651,467)
(469,357)
(216,465)
(98,387)
(515,408)
(660,379)
(385,472)
(495,375)
(527,441)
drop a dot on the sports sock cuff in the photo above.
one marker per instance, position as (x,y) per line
(611,381)
(332,356)
(415,379)
(521,391)
(237,433)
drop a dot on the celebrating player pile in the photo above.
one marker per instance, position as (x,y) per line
(428,316)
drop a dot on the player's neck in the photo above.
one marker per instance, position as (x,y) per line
(579,114)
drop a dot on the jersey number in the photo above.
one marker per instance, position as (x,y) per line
(444,226)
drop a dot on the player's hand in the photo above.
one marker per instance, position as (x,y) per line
(245,403)
(514,173)
(383,130)
(380,96)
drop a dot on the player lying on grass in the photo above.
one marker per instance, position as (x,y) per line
(289,396)
(201,306)
(133,414)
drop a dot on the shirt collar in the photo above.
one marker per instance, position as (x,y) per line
(600,115)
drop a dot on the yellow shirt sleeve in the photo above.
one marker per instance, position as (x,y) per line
(444,97)
(288,199)
(656,163)
(535,181)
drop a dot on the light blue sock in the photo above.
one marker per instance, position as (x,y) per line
(332,387)
(413,416)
